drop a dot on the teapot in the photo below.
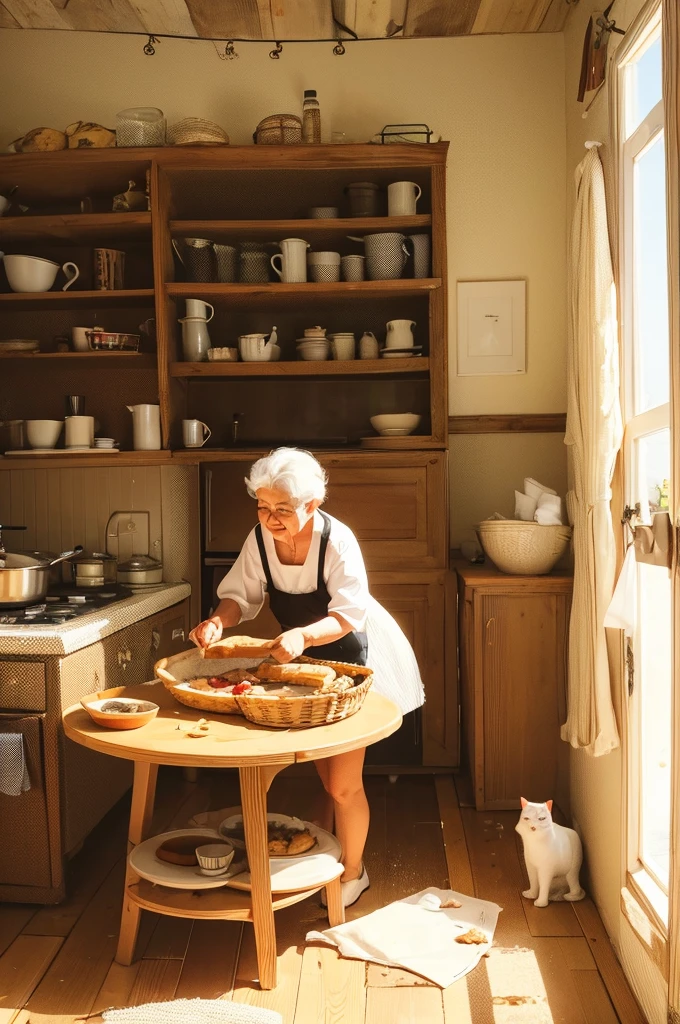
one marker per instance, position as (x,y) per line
(400,334)
(255,348)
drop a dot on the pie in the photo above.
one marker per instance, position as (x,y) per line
(473,937)
(182,849)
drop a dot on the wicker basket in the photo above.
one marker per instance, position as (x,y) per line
(279,130)
(521,548)
(196,131)
(300,712)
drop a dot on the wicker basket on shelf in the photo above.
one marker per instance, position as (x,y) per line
(196,131)
(279,130)
(523,548)
(294,712)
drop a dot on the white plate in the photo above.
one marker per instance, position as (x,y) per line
(144,862)
(325,842)
(395,432)
(315,867)
(395,353)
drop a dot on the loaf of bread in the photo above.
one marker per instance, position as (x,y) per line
(317,675)
(238,647)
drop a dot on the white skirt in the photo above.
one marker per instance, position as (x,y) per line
(391,657)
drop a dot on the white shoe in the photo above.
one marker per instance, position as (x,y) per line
(352,890)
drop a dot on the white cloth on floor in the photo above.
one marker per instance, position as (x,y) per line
(407,935)
(14,777)
(534,489)
(193,1011)
(549,510)
(525,507)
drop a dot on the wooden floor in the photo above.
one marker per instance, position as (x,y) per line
(546,966)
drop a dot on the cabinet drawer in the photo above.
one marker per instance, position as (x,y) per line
(395,504)
(22,685)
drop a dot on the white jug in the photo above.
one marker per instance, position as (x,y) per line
(199,308)
(146,427)
(293,258)
(368,346)
(195,339)
(399,334)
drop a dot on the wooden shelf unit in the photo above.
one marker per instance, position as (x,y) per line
(73,228)
(303,368)
(73,299)
(275,294)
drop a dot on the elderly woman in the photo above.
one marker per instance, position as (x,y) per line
(311,567)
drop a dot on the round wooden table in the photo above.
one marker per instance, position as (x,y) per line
(231,742)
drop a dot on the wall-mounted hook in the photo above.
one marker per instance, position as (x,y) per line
(149,48)
(276,52)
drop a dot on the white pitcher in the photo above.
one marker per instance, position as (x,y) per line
(195,339)
(293,258)
(146,427)
(199,308)
(400,334)
(368,346)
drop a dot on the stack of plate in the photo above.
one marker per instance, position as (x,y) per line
(402,353)
(19,345)
(104,442)
(196,131)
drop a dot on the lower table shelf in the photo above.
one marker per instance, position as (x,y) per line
(219,904)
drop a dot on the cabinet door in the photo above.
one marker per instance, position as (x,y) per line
(522,640)
(419,609)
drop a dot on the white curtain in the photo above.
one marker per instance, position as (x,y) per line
(593,436)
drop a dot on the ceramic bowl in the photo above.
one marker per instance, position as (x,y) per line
(406,421)
(43,433)
(121,719)
(315,350)
(30,273)
(215,858)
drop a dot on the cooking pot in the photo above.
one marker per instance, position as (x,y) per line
(24,578)
(92,569)
(140,570)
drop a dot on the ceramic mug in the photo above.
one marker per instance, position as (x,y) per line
(324,266)
(293,256)
(199,309)
(195,433)
(420,245)
(43,433)
(402,197)
(79,336)
(79,431)
(385,255)
(34,274)
(225,257)
(353,268)
(109,270)
(199,259)
(253,267)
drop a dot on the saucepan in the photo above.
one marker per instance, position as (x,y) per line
(24,578)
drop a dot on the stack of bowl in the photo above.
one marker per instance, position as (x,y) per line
(315,346)
(395,424)
(196,131)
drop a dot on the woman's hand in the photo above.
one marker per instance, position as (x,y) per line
(207,632)
(289,645)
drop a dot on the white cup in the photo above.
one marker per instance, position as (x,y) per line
(293,256)
(199,308)
(79,431)
(195,433)
(343,346)
(353,268)
(146,427)
(43,433)
(402,197)
(79,336)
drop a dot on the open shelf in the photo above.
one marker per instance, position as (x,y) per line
(317,229)
(140,360)
(64,460)
(76,227)
(303,368)
(275,293)
(75,299)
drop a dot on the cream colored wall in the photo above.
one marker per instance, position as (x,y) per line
(499,99)
(597,783)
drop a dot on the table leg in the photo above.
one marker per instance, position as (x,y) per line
(254,785)
(336,910)
(143,792)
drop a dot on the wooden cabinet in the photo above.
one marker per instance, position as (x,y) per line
(513,668)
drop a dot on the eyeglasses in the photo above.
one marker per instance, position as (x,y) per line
(276,513)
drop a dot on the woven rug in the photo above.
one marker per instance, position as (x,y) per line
(193,1011)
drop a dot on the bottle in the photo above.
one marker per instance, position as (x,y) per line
(311,117)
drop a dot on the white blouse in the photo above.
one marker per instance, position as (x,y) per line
(344,574)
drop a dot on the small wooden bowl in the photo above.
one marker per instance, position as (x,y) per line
(120,720)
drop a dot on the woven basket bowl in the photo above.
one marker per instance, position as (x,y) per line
(277,712)
(523,549)
(279,130)
(196,131)
(305,712)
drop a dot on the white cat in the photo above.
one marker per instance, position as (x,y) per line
(552,853)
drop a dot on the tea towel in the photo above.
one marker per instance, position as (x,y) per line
(14,777)
(193,1011)
(405,934)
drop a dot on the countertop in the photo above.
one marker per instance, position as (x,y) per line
(87,629)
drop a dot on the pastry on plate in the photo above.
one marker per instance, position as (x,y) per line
(472,937)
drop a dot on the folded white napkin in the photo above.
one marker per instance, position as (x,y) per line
(525,506)
(14,777)
(534,489)
(549,510)
(407,935)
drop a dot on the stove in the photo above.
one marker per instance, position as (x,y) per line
(62,605)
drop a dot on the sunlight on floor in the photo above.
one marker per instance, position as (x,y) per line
(517,989)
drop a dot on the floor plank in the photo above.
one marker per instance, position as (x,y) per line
(607,963)
(169,939)
(404,1006)
(21,968)
(14,917)
(453,834)
(577,955)
(210,960)
(592,993)
(378,976)
(289,936)
(332,989)
(456,1002)
(156,982)
(116,987)
(557,919)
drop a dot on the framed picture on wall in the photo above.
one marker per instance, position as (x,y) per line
(491,327)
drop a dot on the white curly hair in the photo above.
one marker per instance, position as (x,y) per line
(291,470)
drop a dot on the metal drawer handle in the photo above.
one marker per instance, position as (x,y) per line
(155,639)
(491,631)
(178,634)
(124,657)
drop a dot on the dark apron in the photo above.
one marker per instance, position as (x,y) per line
(299,610)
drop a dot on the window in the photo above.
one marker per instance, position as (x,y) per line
(647,452)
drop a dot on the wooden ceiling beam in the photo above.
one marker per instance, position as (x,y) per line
(434,18)
(98,15)
(556,16)
(239,19)
(7,20)
(514,16)
(171,17)
(35,14)
(379,19)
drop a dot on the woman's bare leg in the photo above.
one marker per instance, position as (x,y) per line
(325,811)
(344,783)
